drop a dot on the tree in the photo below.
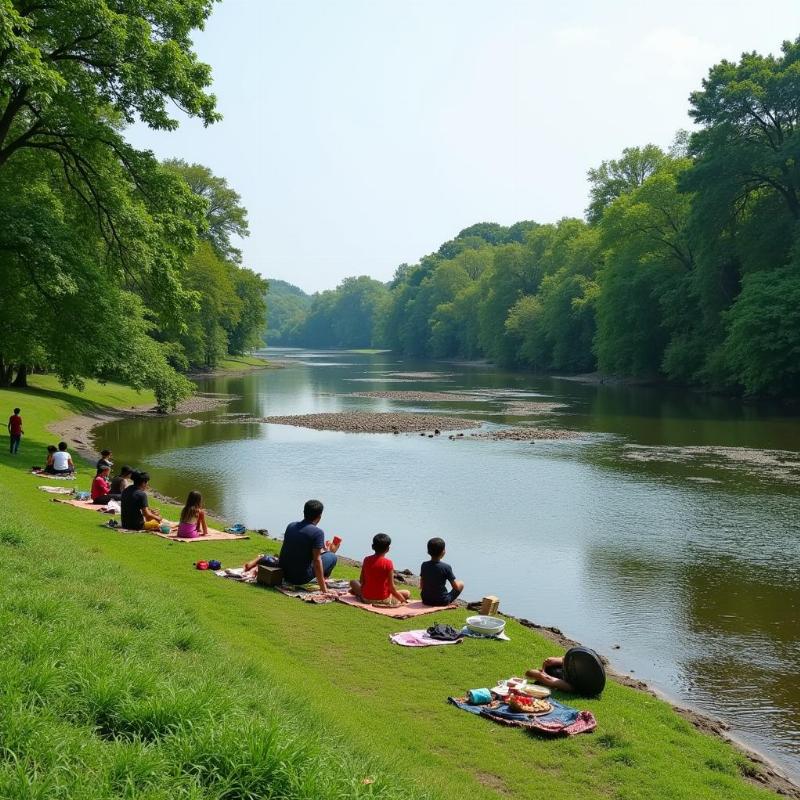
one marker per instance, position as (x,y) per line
(648,257)
(762,348)
(750,141)
(225,216)
(83,214)
(614,178)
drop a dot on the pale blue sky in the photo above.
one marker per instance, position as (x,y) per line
(363,133)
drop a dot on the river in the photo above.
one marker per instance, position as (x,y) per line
(682,565)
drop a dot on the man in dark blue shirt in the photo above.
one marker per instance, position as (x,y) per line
(303,556)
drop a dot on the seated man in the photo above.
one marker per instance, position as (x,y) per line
(303,556)
(136,514)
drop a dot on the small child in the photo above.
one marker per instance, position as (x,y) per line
(193,518)
(15,431)
(376,585)
(48,464)
(433,577)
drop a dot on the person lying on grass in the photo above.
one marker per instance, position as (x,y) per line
(376,584)
(101,489)
(434,575)
(136,514)
(580,671)
(193,518)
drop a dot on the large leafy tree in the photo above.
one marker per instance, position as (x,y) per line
(97,213)
(225,215)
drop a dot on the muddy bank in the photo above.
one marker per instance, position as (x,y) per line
(367,422)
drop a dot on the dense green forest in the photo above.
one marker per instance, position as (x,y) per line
(685,268)
(114,265)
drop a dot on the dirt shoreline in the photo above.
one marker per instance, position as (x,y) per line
(763,771)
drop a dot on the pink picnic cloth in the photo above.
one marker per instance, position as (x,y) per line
(418,638)
(416,608)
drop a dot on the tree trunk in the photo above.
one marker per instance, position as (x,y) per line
(21,381)
(5,373)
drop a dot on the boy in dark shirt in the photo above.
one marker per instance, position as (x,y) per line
(433,577)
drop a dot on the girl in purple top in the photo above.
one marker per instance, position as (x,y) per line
(193,518)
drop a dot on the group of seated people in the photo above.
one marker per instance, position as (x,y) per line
(136,514)
(305,556)
(59,461)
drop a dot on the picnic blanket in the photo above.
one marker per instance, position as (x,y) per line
(419,638)
(563,720)
(87,504)
(213,536)
(308,594)
(414,608)
(55,489)
(39,472)
(237,574)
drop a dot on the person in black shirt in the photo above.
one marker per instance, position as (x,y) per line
(434,575)
(136,515)
(105,460)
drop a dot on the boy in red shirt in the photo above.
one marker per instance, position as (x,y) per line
(15,430)
(377,577)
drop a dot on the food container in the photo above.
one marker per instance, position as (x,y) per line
(532,690)
(486,626)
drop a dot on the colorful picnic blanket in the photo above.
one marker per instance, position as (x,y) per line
(563,720)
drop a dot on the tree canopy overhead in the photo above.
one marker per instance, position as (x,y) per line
(98,239)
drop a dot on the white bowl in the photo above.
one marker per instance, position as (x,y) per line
(488,626)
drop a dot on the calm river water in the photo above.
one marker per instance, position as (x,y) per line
(688,561)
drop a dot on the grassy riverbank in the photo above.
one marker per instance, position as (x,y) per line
(130,674)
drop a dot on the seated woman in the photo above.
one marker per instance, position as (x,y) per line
(48,466)
(101,489)
(193,518)
(580,670)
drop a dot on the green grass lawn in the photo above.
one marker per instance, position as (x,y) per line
(128,673)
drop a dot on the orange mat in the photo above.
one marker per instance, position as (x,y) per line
(414,608)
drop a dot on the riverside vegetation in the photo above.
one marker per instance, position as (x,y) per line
(127,673)
(684,269)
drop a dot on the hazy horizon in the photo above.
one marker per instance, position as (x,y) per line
(362,135)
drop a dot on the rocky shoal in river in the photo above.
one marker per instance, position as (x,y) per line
(421,397)
(368,422)
(531,434)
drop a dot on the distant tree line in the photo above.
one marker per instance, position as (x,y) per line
(686,267)
(114,266)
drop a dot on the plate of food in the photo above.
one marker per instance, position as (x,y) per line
(528,705)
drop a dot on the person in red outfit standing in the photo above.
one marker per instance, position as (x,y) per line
(15,431)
